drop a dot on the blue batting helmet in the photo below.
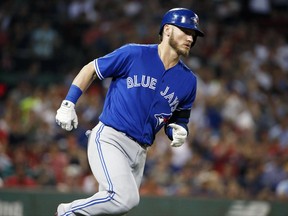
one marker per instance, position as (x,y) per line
(183,18)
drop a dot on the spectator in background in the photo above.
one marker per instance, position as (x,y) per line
(5,160)
(20,178)
(282,190)
(45,42)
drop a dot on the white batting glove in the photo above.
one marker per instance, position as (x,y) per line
(66,116)
(179,135)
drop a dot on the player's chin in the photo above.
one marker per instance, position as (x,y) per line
(185,52)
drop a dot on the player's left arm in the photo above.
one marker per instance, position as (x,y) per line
(177,127)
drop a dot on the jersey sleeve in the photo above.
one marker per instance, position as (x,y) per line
(187,103)
(113,64)
(182,114)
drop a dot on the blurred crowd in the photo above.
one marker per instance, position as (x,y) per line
(238,142)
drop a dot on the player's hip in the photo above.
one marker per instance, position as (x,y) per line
(105,135)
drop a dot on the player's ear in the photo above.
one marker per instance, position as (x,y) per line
(167,30)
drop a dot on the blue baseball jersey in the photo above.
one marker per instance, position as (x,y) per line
(143,95)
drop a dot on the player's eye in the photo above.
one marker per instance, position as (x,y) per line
(189,32)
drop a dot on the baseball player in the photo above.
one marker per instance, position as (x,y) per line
(151,88)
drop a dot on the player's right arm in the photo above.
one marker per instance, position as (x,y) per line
(110,65)
(66,116)
(85,77)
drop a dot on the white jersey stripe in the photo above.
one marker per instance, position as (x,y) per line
(97,69)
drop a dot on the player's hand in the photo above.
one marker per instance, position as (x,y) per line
(179,135)
(66,116)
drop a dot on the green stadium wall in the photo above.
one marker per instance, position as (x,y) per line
(44,203)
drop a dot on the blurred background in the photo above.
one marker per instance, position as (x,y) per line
(238,142)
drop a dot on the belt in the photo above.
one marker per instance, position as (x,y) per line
(144,146)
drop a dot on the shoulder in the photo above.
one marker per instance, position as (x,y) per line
(188,72)
(134,48)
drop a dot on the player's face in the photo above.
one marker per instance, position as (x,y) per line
(181,39)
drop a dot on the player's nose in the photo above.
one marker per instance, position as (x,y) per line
(190,38)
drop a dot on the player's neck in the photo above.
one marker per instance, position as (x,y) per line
(168,56)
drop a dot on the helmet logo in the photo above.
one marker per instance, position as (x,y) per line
(183,19)
(195,20)
(175,17)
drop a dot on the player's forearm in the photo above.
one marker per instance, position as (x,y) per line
(81,82)
(85,77)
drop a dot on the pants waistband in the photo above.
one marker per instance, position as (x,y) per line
(144,146)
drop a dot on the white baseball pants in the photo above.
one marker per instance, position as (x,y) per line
(117,162)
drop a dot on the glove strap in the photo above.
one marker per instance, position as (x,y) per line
(74,94)
(169,132)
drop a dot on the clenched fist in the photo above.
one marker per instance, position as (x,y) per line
(66,116)
(179,134)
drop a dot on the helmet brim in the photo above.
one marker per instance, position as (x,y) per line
(198,32)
